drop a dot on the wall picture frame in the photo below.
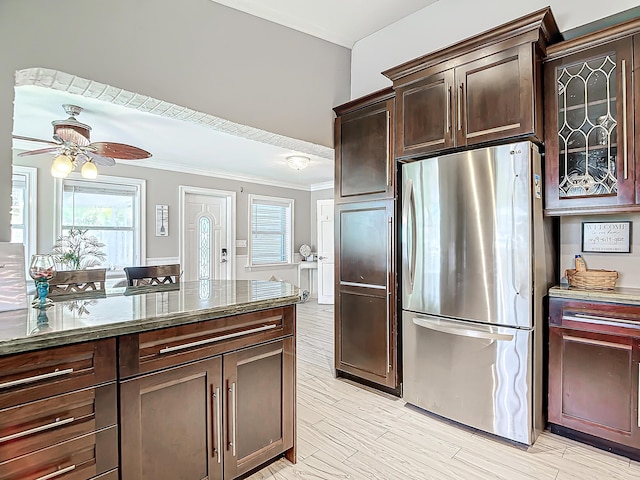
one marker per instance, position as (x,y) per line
(606,237)
(162,220)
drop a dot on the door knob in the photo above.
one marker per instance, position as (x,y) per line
(322,258)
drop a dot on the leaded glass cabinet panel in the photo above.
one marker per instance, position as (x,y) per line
(589,128)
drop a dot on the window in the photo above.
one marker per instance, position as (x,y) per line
(271,224)
(111,209)
(23,203)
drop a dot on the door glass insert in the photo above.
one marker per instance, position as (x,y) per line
(587,128)
(204,250)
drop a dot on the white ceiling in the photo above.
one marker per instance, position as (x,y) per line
(338,21)
(175,144)
(190,147)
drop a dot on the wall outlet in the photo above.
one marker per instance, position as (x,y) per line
(241,243)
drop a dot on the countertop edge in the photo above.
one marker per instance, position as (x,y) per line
(628,296)
(99,332)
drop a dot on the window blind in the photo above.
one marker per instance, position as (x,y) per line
(270,232)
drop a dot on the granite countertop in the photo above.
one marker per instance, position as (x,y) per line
(127,310)
(628,296)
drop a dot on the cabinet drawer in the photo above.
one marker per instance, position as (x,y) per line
(81,458)
(597,317)
(32,426)
(26,377)
(151,351)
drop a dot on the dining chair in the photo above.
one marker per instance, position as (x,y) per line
(153,275)
(68,282)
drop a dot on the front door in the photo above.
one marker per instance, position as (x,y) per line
(206,253)
(325,251)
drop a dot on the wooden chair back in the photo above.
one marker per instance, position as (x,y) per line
(153,275)
(71,282)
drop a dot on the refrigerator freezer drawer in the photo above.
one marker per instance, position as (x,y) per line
(477,375)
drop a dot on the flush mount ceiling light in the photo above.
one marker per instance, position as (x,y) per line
(297,162)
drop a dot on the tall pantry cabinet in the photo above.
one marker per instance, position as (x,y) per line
(365,198)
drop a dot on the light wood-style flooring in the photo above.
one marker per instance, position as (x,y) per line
(346,431)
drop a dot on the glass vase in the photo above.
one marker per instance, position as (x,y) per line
(42,269)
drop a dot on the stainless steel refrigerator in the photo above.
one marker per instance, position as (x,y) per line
(477,260)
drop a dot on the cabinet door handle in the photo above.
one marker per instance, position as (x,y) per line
(215,339)
(638,395)
(389,173)
(389,287)
(36,378)
(57,473)
(232,443)
(448,109)
(42,428)
(624,118)
(460,98)
(217,423)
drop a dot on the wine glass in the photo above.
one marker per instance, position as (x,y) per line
(42,269)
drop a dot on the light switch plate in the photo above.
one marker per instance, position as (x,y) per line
(241,243)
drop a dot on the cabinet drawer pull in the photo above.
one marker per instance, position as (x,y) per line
(41,428)
(232,443)
(217,339)
(624,118)
(638,399)
(598,320)
(57,473)
(36,378)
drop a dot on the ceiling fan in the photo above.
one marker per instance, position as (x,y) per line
(73,147)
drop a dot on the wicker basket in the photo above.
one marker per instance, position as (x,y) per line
(592,279)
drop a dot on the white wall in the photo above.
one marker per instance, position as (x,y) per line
(626,264)
(450,21)
(194,53)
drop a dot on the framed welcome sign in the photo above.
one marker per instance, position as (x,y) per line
(606,237)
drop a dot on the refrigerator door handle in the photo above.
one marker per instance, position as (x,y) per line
(514,234)
(409,214)
(440,325)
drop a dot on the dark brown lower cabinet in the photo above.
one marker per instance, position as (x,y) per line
(171,423)
(259,405)
(594,355)
(366,322)
(215,418)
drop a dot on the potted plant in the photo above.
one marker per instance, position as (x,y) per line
(77,250)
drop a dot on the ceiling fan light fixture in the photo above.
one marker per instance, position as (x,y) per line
(89,170)
(57,173)
(62,165)
(297,162)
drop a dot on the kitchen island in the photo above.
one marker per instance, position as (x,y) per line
(193,380)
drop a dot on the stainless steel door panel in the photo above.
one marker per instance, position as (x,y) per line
(478,375)
(468,235)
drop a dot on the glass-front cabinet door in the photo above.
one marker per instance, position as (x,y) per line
(589,129)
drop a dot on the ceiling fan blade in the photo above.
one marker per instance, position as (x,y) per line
(71,135)
(100,160)
(119,150)
(38,152)
(31,139)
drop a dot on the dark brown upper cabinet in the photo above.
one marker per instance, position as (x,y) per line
(364,143)
(484,89)
(589,122)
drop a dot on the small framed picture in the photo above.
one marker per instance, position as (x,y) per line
(162,220)
(606,237)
